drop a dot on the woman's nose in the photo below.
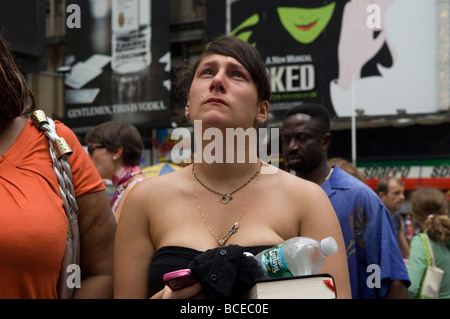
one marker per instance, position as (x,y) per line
(218,83)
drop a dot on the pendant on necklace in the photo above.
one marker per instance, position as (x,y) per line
(226,198)
(232,231)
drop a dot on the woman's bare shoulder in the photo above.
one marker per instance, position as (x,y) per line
(294,189)
(161,187)
(157,193)
(291,181)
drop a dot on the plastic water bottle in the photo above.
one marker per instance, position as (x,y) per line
(297,256)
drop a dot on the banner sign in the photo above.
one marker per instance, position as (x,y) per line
(414,174)
(119,56)
(371,56)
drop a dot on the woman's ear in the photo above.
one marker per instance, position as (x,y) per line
(186,108)
(118,153)
(263,112)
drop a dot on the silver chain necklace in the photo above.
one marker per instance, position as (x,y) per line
(225,197)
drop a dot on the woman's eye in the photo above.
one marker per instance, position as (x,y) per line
(206,72)
(238,75)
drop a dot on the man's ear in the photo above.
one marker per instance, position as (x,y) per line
(326,141)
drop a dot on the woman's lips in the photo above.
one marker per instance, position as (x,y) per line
(215,101)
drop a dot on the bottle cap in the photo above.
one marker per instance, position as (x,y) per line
(328,246)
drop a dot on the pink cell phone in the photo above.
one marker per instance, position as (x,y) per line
(178,279)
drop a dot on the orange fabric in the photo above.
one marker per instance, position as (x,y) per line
(32,219)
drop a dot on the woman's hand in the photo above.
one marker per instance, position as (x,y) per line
(194,291)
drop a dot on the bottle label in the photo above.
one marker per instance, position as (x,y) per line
(273,263)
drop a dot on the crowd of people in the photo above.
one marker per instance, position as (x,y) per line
(206,215)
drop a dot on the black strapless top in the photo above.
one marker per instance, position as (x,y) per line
(170,258)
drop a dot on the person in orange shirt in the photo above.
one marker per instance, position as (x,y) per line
(33,222)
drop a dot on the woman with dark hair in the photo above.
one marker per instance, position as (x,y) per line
(177,220)
(34,226)
(115,149)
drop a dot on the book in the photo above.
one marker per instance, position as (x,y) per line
(318,286)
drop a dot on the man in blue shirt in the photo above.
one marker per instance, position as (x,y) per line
(376,267)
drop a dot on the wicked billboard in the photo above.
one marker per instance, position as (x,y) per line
(371,56)
(120,64)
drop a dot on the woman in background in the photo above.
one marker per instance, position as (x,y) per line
(115,149)
(429,209)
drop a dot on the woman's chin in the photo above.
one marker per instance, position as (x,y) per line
(216,121)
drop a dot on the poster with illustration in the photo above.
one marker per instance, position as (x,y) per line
(119,58)
(378,56)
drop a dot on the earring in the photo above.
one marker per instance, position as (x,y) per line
(114,157)
(258,119)
(186,113)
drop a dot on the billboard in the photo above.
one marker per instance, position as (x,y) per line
(119,54)
(414,173)
(371,56)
